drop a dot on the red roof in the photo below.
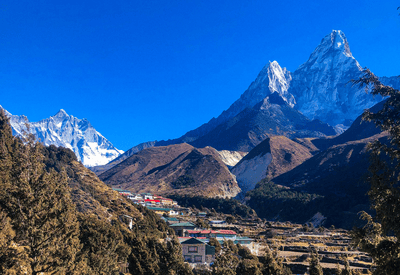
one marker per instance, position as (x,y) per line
(147,200)
(192,237)
(230,232)
(202,231)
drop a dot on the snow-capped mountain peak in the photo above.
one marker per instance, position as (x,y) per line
(333,49)
(67,131)
(61,114)
(272,78)
(336,40)
(320,85)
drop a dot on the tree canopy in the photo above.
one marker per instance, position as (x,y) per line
(380,237)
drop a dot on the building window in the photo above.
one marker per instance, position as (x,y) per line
(193,249)
(197,259)
(188,258)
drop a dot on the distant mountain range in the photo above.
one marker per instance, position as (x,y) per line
(90,147)
(319,89)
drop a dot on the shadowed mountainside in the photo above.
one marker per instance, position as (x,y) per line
(272,116)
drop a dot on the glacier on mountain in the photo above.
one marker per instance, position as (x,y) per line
(90,147)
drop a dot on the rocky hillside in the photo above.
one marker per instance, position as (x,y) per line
(88,192)
(272,157)
(173,169)
(102,168)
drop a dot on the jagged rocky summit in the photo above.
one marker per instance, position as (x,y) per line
(319,88)
(321,85)
(90,147)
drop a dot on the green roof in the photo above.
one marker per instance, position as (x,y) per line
(182,224)
(238,238)
(121,190)
(172,219)
(159,209)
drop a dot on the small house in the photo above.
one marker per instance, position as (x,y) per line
(198,252)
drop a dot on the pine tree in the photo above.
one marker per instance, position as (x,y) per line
(271,264)
(142,259)
(338,270)
(227,262)
(38,204)
(214,242)
(245,253)
(173,262)
(315,267)
(380,237)
(248,266)
(7,145)
(13,258)
(103,245)
(347,270)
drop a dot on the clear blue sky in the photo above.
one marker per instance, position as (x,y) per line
(151,70)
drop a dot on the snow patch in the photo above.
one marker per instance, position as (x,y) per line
(231,158)
(249,172)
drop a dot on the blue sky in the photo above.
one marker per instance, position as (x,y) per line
(152,70)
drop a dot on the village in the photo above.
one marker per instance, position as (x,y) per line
(293,242)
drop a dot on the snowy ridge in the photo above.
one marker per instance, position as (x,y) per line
(90,147)
(272,78)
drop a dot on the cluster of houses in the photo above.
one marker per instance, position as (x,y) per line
(158,204)
(194,241)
